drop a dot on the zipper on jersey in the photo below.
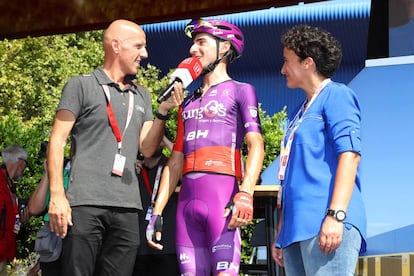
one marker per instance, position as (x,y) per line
(196,131)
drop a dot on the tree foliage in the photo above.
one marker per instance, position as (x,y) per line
(32,75)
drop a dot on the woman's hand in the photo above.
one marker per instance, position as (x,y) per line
(330,236)
(277,254)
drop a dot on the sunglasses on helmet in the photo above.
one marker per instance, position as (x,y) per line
(195,23)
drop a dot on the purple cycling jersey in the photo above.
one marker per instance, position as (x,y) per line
(211,128)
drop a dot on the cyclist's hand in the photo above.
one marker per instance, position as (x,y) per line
(242,210)
(153,232)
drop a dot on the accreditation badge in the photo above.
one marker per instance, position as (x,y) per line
(119,164)
(149,213)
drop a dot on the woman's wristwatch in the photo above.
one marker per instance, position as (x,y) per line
(339,215)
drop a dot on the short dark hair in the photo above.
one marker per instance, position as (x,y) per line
(320,45)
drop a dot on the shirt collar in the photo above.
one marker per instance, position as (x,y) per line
(103,78)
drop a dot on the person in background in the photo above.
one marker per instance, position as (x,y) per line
(149,260)
(110,119)
(12,169)
(322,227)
(213,123)
(38,204)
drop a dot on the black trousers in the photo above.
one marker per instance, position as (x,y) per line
(51,268)
(156,265)
(103,241)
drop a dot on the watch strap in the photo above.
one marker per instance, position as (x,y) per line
(330,212)
(159,116)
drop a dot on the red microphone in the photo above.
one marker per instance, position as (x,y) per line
(188,70)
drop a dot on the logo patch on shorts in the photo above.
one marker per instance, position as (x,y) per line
(184,258)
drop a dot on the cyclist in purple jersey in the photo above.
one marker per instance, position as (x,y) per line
(212,125)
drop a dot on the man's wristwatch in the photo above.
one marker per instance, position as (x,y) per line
(159,116)
(339,215)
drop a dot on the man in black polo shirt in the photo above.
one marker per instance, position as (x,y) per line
(109,118)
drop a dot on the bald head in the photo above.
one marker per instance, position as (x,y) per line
(121,29)
(124,44)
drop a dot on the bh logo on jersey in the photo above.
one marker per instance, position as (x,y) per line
(193,135)
(227,266)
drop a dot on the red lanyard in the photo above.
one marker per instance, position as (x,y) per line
(112,118)
(146,180)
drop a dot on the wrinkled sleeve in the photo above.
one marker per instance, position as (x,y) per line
(342,112)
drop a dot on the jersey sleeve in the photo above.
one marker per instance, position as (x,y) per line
(179,140)
(249,109)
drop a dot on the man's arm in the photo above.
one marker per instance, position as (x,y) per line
(59,209)
(153,131)
(254,163)
(169,180)
(37,201)
(171,175)
(151,136)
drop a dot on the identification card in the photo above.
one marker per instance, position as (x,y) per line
(17,224)
(279,198)
(119,164)
(149,214)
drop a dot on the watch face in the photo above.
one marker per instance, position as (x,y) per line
(340,215)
